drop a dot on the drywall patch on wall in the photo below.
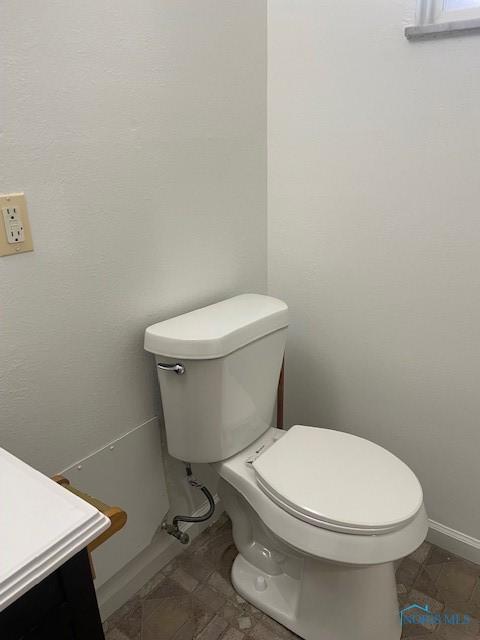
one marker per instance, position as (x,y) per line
(136,473)
(114,472)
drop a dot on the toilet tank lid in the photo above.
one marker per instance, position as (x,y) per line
(217,330)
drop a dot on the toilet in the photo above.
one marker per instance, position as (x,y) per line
(319,516)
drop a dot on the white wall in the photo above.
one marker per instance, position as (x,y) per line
(137,130)
(374,230)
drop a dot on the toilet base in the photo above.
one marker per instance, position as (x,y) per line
(279,598)
(327,602)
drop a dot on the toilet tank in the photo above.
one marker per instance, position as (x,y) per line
(222,396)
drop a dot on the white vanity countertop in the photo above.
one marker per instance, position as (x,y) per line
(41,526)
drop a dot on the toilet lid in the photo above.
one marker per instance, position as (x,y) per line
(339,481)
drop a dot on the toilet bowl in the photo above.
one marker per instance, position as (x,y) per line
(318,516)
(297,565)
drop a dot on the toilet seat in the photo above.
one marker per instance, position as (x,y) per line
(338,481)
(238,472)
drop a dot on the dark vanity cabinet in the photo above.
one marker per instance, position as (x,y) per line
(61,607)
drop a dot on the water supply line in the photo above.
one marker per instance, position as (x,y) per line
(173,529)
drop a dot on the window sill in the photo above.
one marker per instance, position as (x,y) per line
(454,28)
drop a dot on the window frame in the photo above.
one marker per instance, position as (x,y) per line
(432,20)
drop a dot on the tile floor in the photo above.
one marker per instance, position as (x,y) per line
(192,597)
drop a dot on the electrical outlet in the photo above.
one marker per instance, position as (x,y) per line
(15,236)
(13,225)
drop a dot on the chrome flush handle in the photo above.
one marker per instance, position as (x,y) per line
(177,368)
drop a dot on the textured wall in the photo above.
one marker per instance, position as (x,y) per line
(374,147)
(137,130)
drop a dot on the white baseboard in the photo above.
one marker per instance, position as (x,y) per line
(454,541)
(123,585)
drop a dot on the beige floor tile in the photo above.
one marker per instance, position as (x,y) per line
(221,584)
(163,618)
(214,548)
(166,589)
(470,629)
(214,629)
(116,634)
(131,624)
(151,585)
(195,567)
(185,580)
(125,610)
(426,580)
(462,607)
(261,632)
(476,593)
(440,556)
(247,608)
(421,554)
(197,621)
(233,634)
(244,622)
(457,581)
(276,628)
(210,598)
(226,561)
(415,632)
(230,611)
(407,572)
